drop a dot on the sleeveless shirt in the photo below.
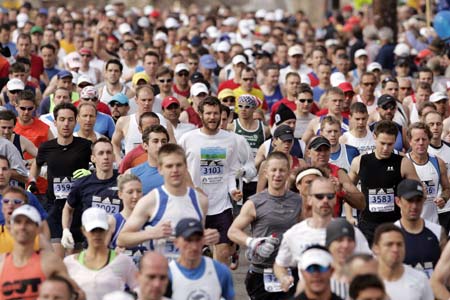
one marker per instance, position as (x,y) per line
(255,138)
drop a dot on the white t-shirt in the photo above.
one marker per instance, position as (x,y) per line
(302,235)
(119,272)
(212,162)
(413,285)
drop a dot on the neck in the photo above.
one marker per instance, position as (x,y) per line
(63,141)
(317,221)
(300,113)
(131,61)
(318,296)
(277,192)
(152,161)
(268,88)
(113,86)
(412,226)
(335,148)
(358,133)
(22,252)
(126,212)
(246,123)
(164,94)
(97,251)
(337,116)
(103,175)
(291,97)
(209,131)
(189,264)
(182,87)
(436,142)
(324,86)
(25,123)
(419,158)
(85,132)
(180,190)
(390,273)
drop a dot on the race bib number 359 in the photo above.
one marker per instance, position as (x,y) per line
(62,187)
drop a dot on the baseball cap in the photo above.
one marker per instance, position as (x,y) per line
(207,61)
(337,78)
(89,92)
(337,229)
(223,46)
(36,29)
(168,101)
(196,76)
(94,217)
(409,188)
(385,99)
(15,84)
(21,19)
(438,96)
(374,66)
(284,133)
(119,97)
(73,60)
(319,141)
(402,50)
(261,53)
(85,51)
(360,52)
(196,41)
(239,59)
(295,50)
(402,61)
(198,88)
(28,211)
(160,36)
(315,255)
(64,74)
(283,113)
(171,23)
(140,76)
(181,67)
(84,79)
(346,87)
(124,28)
(225,93)
(188,227)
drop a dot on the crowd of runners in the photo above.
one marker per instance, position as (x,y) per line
(144,152)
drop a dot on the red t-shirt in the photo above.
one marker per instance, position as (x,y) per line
(37,66)
(4,67)
(324,112)
(37,132)
(101,107)
(231,84)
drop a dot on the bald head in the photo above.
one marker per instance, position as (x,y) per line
(153,276)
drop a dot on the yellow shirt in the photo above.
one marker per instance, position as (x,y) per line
(7,241)
(68,47)
(255,92)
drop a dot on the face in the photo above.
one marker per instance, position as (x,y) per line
(211,117)
(384,145)
(48,56)
(442,107)
(103,156)
(65,83)
(190,248)
(335,102)
(165,83)
(155,142)
(324,73)
(5,173)
(96,237)
(390,249)
(153,278)
(224,120)
(332,132)
(6,128)
(183,77)
(151,64)
(368,84)
(341,249)
(402,70)
(419,141)
(434,121)
(61,96)
(371,294)
(24,47)
(404,88)
(65,123)
(10,202)
(411,209)
(113,73)
(129,50)
(85,59)
(422,95)
(358,121)
(246,111)
(25,110)
(24,230)
(130,193)
(144,100)
(277,172)
(320,156)
(361,62)
(387,111)
(54,290)
(272,77)
(118,109)
(173,168)
(292,85)
(304,102)
(317,282)
(426,77)
(295,61)
(303,185)
(193,65)
(172,112)
(247,80)
(86,117)
(317,57)
(283,146)
(324,207)
(391,88)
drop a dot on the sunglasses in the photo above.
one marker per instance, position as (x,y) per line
(90,99)
(244,106)
(169,80)
(389,79)
(405,88)
(248,79)
(229,100)
(320,196)
(85,55)
(114,104)
(306,100)
(183,74)
(12,201)
(29,108)
(15,92)
(317,268)
(389,107)
(129,49)
(368,83)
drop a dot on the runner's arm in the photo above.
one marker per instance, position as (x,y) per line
(246,216)
(440,275)
(352,195)
(117,138)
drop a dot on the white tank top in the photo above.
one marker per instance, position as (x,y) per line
(206,287)
(400,116)
(414,114)
(342,160)
(106,96)
(91,74)
(364,144)
(133,137)
(443,153)
(429,175)
(370,108)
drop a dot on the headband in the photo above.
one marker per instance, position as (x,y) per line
(306,173)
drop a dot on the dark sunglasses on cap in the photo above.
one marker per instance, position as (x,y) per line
(15,91)
(229,100)
(320,196)
(389,106)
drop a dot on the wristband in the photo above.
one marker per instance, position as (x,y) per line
(248,241)
(341,194)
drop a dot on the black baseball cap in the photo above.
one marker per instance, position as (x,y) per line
(319,141)
(409,188)
(385,99)
(188,227)
(402,61)
(337,229)
(284,133)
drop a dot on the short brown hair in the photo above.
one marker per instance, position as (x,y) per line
(419,125)
(168,149)
(383,228)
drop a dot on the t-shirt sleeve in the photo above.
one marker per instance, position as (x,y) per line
(41,157)
(284,256)
(74,196)
(225,279)
(35,202)
(111,127)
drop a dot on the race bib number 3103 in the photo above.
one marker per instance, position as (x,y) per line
(212,164)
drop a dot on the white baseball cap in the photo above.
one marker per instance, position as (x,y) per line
(374,66)
(315,256)
(124,28)
(171,23)
(28,211)
(181,67)
(360,52)
(84,79)
(239,59)
(15,84)
(337,78)
(223,46)
(21,19)
(295,50)
(402,50)
(94,217)
(198,88)
(438,96)
(160,36)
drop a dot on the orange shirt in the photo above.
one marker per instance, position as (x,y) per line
(21,282)
(37,132)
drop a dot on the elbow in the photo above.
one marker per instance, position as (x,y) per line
(231,234)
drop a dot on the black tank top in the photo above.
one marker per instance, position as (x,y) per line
(379,179)
(16,143)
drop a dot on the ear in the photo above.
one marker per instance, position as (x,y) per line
(397,201)
(92,158)
(376,249)
(145,146)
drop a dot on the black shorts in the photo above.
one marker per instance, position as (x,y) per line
(55,225)
(222,223)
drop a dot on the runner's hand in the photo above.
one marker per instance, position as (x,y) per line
(32,187)
(263,247)
(67,239)
(286,282)
(162,230)
(212,236)
(80,173)
(236,195)
(440,202)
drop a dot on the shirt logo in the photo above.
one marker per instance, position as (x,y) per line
(390,168)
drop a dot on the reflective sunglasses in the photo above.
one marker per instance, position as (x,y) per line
(317,268)
(12,201)
(244,106)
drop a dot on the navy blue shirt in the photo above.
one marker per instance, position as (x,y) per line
(385,56)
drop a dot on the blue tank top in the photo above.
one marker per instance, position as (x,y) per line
(275,97)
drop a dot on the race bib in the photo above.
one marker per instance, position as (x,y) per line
(431,189)
(62,187)
(381,200)
(212,164)
(271,283)
(167,248)
(111,206)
